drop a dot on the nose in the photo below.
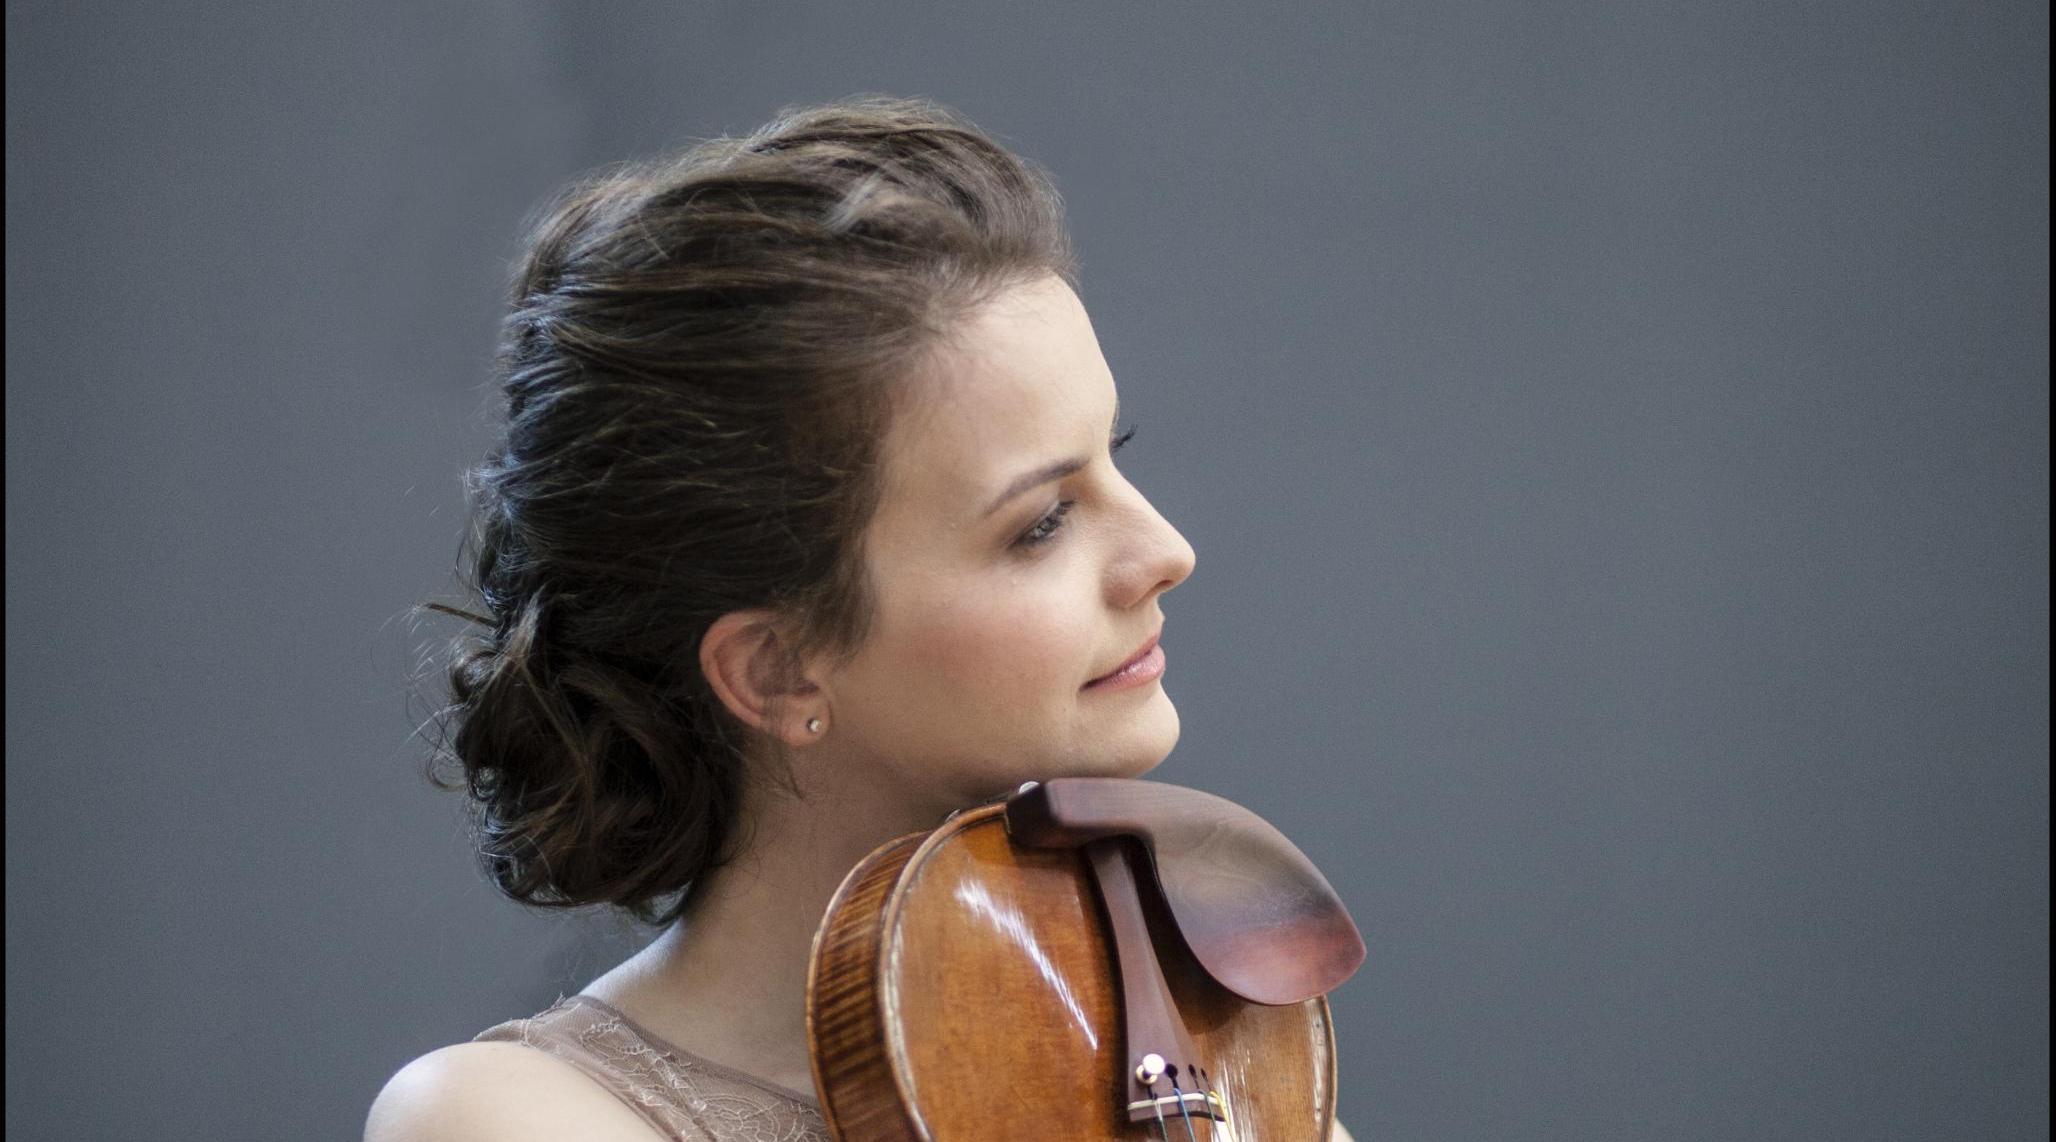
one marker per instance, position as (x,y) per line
(1157,558)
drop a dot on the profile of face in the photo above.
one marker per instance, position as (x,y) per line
(1012,564)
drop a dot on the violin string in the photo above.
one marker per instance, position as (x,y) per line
(1163,1132)
(1205,1093)
(1184,1112)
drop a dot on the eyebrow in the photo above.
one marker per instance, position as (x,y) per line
(1043,475)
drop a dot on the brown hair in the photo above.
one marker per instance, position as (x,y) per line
(701,360)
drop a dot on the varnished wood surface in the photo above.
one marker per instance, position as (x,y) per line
(963,990)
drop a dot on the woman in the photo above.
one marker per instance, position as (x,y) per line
(805,532)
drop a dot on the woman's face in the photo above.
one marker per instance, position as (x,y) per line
(996,609)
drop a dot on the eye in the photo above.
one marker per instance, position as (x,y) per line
(1047,527)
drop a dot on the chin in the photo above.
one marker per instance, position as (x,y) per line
(1131,747)
(1144,769)
(1152,737)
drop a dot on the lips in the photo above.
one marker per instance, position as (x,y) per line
(1140,653)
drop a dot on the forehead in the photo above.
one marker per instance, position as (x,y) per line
(1021,383)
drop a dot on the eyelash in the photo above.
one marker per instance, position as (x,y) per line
(1046,528)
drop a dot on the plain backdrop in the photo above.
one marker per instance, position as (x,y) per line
(1614,435)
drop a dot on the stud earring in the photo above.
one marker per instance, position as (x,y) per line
(813,725)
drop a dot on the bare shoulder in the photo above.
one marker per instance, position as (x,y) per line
(470,1092)
(1339,1134)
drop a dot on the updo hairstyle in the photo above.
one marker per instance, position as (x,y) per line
(702,357)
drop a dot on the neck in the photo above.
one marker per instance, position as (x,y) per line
(728,980)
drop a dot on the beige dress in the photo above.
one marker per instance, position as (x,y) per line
(682,1095)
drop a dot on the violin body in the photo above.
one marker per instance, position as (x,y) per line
(965,986)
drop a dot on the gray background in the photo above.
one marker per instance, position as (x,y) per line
(1615,437)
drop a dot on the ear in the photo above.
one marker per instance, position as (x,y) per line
(749,665)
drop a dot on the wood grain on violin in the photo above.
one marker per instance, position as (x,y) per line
(1096,958)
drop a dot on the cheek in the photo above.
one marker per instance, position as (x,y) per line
(1008,644)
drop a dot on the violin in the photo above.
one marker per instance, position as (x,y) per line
(1085,959)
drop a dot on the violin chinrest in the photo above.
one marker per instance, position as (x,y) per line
(1257,915)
